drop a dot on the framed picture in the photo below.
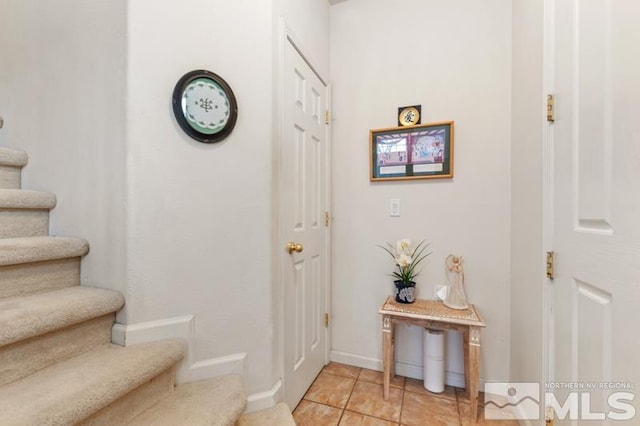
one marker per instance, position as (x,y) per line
(417,152)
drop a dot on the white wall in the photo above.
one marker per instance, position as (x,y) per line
(454,58)
(62,73)
(202,216)
(526,192)
(309,21)
(199,237)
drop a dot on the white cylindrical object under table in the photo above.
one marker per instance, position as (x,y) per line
(433,352)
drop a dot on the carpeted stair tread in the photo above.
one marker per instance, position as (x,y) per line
(214,402)
(23,317)
(280,415)
(23,199)
(14,251)
(13,157)
(70,391)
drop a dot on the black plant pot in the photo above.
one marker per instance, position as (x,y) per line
(405,291)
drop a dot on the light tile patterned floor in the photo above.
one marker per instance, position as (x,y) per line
(345,395)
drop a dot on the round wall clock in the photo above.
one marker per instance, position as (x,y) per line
(409,116)
(205,106)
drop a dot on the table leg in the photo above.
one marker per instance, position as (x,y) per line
(474,371)
(465,347)
(387,354)
(392,352)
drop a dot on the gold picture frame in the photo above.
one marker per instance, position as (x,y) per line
(422,151)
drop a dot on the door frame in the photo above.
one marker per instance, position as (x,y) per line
(286,35)
(548,84)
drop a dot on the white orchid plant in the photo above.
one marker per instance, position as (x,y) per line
(407,258)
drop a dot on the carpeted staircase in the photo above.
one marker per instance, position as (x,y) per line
(57,363)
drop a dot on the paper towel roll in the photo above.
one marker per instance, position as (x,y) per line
(434,344)
(434,379)
(433,352)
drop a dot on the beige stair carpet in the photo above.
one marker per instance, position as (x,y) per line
(214,402)
(70,391)
(27,316)
(280,415)
(11,163)
(25,213)
(15,251)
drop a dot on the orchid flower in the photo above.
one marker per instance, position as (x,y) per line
(406,258)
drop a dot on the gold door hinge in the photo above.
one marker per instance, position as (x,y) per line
(326,320)
(551,108)
(326,117)
(326,218)
(550,265)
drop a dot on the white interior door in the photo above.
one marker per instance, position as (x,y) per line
(595,163)
(304,175)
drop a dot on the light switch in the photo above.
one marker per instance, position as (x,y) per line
(394,207)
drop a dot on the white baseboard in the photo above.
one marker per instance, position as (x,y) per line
(131,334)
(356,360)
(214,367)
(452,378)
(263,400)
(189,370)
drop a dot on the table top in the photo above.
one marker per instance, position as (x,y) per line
(432,310)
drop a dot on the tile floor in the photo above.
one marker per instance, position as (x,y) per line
(345,395)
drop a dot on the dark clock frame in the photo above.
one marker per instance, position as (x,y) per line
(178,92)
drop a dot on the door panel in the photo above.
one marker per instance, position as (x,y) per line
(592,128)
(303,203)
(596,199)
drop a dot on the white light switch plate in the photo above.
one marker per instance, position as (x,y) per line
(394,207)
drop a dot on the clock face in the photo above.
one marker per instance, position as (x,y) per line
(409,116)
(204,106)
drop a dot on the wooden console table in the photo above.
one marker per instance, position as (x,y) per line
(434,315)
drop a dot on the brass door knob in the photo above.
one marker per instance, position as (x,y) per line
(291,247)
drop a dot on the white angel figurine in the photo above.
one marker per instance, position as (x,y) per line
(456,297)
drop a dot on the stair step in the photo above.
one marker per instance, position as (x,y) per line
(31,278)
(23,199)
(28,316)
(11,163)
(15,251)
(214,402)
(25,213)
(36,264)
(28,356)
(13,157)
(70,391)
(135,402)
(280,415)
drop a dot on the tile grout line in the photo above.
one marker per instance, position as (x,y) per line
(355,381)
(376,417)
(458,407)
(365,414)
(337,375)
(320,403)
(404,392)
